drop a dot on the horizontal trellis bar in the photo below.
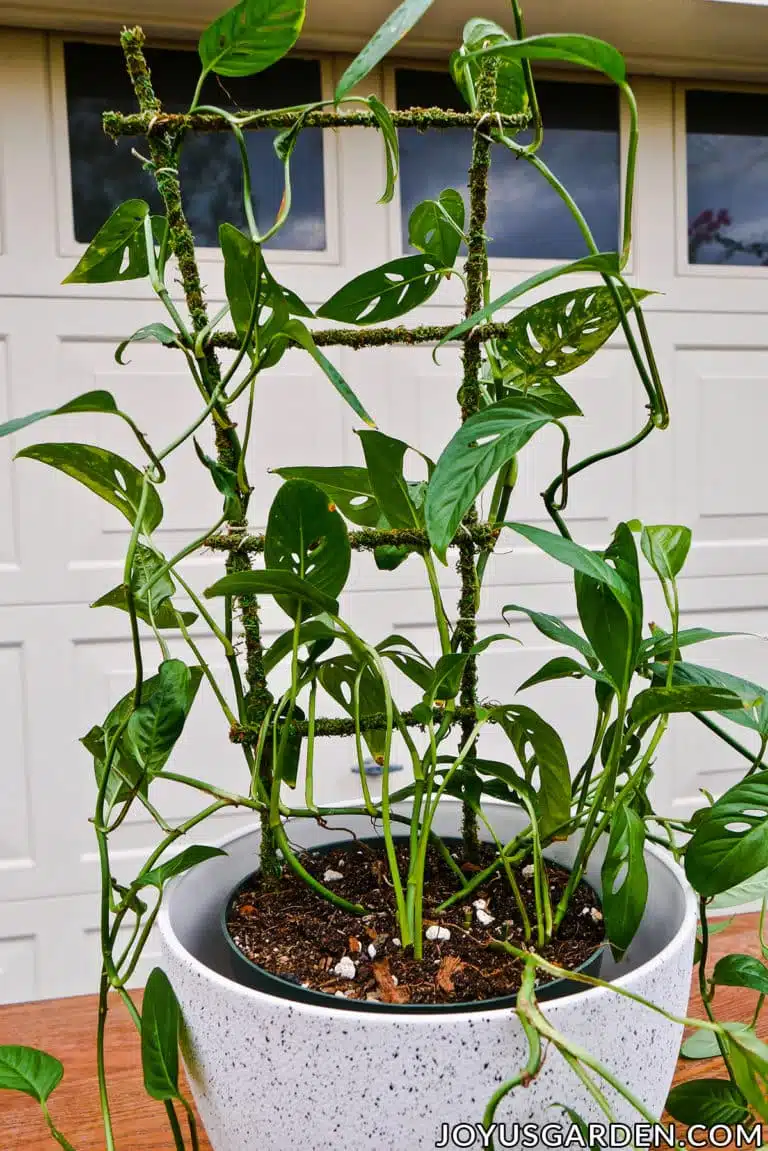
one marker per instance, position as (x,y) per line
(483,537)
(345,726)
(358,338)
(142,124)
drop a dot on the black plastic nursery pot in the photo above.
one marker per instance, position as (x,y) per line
(250,974)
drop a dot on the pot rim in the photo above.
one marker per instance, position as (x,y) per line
(589,996)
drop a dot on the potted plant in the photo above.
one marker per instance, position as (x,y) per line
(376,970)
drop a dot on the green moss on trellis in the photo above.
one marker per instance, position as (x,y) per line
(359,339)
(345,726)
(481,537)
(152,122)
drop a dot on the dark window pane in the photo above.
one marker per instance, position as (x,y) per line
(727,145)
(104,174)
(526,218)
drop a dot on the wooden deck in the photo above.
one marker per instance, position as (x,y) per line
(66,1027)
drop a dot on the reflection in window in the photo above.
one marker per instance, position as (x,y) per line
(727,135)
(105,174)
(526,218)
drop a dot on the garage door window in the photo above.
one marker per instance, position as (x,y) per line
(526,218)
(103,174)
(727,153)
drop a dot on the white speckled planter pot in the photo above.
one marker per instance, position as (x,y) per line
(273,1075)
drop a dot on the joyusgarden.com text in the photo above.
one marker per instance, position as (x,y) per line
(595,1135)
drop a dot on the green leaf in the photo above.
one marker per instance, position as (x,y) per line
(613,624)
(416,667)
(306,537)
(385,456)
(666,548)
(349,488)
(184,861)
(480,447)
(708,1102)
(300,334)
(435,227)
(554,628)
(502,771)
(158,332)
(586,51)
(88,402)
(389,557)
(446,680)
(624,878)
(160,1023)
(526,729)
(385,292)
(226,482)
(511,96)
(730,843)
(606,263)
(391,32)
(561,667)
(700,1045)
(338,677)
(754,710)
(117,251)
(660,643)
(296,305)
(384,119)
(752,889)
(656,701)
(151,603)
(249,286)
(251,36)
(276,583)
(575,556)
(110,476)
(741,971)
(563,332)
(156,725)
(315,632)
(30,1071)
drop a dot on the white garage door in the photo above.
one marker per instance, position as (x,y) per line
(62,664)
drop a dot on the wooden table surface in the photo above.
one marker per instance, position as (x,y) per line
(66,1028)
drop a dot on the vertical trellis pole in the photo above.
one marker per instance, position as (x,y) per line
(476,273)
(164,152)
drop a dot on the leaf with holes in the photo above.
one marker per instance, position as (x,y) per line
(730,843)
(110,476)
(118,250)
(338,676)
(754,698)
(666,548)
(160,1023)
(587,51)
(306,537)
(511,94)
(88,402)
(554,628)
(151,599)
(391,32)
(561,333)
(156,725)
(251,36)
(624,878)
(30,1071)
(527,731)
(385,292)
(396,497)
(606,263)
(160,333)
(707,1101)
(383,118)
(300,334)
(480,447)
(347,487)
(656,701)
(436,227)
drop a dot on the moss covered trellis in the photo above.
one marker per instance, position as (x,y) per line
(164,133)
